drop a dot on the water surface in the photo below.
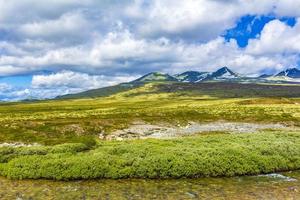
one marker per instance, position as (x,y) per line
(274,186)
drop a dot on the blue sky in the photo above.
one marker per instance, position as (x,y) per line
(250,27)
(66,46)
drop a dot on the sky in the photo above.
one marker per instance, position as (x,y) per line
(50,48)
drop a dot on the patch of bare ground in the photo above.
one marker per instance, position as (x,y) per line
(143,130)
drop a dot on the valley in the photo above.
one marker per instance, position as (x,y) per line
(158,129)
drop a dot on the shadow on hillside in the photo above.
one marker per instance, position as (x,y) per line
(233,90)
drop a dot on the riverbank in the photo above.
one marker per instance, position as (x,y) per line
(210,155)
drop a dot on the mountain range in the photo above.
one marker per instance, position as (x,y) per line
(224,74)
(291,75)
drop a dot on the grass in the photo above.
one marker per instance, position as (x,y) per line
(199,156)
(82,120)
(69,131)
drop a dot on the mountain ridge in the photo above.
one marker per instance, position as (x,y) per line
(191,76)
(290,72)
(155,76)
(223,74)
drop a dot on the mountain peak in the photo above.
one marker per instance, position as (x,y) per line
(191,76)
(222,73)
(155,76)
(265,76)
(290,72)
(225,70)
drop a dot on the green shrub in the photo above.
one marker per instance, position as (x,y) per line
(210,155)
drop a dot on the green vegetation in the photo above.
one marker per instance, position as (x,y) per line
(209,155)
(70,131)
(102,92)
(82,120)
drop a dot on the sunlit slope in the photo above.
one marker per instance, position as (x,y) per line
(214,89)
(102,92)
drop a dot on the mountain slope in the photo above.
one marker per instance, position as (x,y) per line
(291,73)
(264,76)
(191,76)
(155,77)
(102,92)
(223,73)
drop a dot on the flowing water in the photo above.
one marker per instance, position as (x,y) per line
(272,186)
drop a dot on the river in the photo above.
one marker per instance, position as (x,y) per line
(272,186)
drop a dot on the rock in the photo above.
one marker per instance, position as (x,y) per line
(192,194)
(293,188)
(279,176)
(102,135)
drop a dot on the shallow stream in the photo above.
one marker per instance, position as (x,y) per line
(272,186)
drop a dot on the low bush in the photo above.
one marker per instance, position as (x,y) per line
(210,155)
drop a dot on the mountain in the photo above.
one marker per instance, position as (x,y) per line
(291,73)
(155,77)
(191,76)
(102,92)
(223,73)
(111,90)
(264,76)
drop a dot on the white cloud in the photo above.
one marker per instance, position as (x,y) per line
(4,87)
(65,82)
(122,52)
(276,37)
(69,79)
(196,19)
(60,83)
(9,70)
(288,8)
(68,26)
(15,11)
(96,41)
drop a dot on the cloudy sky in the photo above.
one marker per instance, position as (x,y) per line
(48,48)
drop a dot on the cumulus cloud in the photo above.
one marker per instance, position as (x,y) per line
(287,8)
(9,92)
(122,52)
(102,43)
(15,11)
(60,83)
(9,70)
(277,37)
(201,20)
(70,25)
(69,79)
(5,87)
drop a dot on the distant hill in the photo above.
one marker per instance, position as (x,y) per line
(102,92)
